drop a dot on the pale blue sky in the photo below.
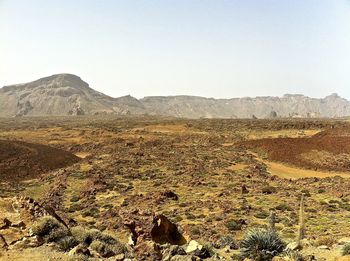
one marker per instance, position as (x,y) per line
(212,48)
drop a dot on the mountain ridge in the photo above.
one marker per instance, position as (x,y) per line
(67,94)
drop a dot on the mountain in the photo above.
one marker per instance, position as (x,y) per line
(61,94)
(67,94)
(297,106)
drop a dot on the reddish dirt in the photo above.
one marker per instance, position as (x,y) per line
(21,160)
(327,150)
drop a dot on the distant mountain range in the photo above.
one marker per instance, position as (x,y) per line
(67,94)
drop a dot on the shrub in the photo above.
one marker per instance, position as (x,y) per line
(262,214)
(325,241)
(195,231)
(45,225)
(92,212)
(226,240)
(67,243)
(74,199)
(107,250)
(261,244)
(283,207)
(233,225)
(84,236)
(346,249)
(56,234)
(268,190)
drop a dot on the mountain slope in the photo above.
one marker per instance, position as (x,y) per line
(260,107)
(67,94)
(61,94)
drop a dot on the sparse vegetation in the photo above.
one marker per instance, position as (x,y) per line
(132,159)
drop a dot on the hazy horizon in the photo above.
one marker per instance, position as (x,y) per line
(219,49)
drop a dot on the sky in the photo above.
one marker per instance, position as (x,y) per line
(210,48)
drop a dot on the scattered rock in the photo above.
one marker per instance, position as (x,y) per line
(119,257)
(172,251)
(202,253)
(324,247)
(164,231)
(79,250)
(193,246)
(293,246)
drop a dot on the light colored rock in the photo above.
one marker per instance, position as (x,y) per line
(193,246)
(293,246)
(323,247)
(131,241)
(119,257)
(79,250)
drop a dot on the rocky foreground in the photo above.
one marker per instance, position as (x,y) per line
(30,225)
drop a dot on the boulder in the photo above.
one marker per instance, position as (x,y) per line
(79,250)
(293,246)
(119,257)
(164,231)
(193,246)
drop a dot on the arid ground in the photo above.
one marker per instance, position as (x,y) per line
(209,177)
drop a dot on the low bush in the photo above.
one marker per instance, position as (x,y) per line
(261,245)
(233,225)
(346,249)
(67,243)
(45,225)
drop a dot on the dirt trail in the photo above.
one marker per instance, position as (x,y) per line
(288,172)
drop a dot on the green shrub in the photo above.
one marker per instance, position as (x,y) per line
(283,207)
(262,214)
(92,212)
(56,234)
(74,199)
(84,236)
(67,243)
(107,250)
(45,225)
(346,249)
(261,245)
(268,190)
(233,225)
(195,231)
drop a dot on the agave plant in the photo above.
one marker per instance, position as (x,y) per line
(261,244)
